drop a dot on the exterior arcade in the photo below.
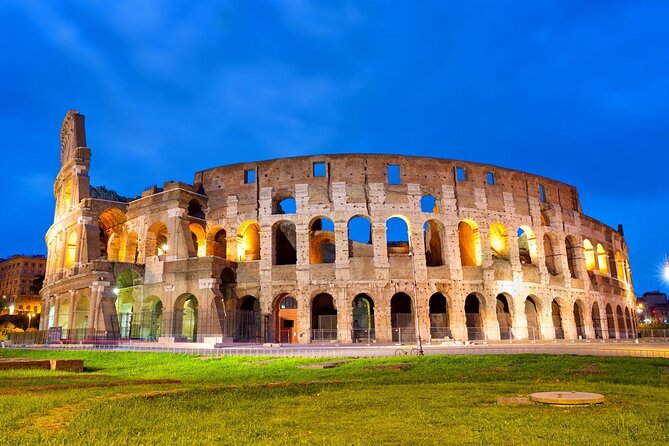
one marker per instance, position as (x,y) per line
(347,248)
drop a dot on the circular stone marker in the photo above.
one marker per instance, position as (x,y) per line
(567,398)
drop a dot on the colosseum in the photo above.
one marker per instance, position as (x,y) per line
(331,248)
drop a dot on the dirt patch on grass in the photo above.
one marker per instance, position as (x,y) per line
(50,378)
(261,362)
(498,369)
(397,367)
(58,418)
(588,370)
(85,385)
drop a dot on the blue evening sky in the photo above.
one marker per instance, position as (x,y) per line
(576,91)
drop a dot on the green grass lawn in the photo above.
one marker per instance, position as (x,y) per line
(164,399)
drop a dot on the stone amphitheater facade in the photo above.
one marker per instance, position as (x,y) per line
(346,248)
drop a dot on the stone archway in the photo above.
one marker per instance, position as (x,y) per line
(363,318)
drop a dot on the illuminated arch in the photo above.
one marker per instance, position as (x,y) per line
(248,248)
(589,254)
(499,241)
(602,259)
(198,239)
(322,248)
(527,245)
(71,249)
(470,243)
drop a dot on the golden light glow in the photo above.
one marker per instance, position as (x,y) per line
(71,250)
(603,259)
(163,249)
(499,240)
(470,243)
(666,269)
(589,253)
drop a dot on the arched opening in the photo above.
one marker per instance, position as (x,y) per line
(195,209)
(249,246)
(285,206)
(428,204)
(81,317)
(622,331)
(220,244)
(198,238)
(111,223)
(473,317)
(66,197)
(322,247)
(628,322)
(71,249)
(52,316)
(156,239)
(439,328)
(532,316)
(63,317)
(287,320)
(323,318)
(131,248)
(397,236)
(186,318)
(124,288)
(578,320)
(549,256)
(499,241)
(527,245)
(433,246)
(610,321)
(363,318)
(360,237)
(602,260)
(249,320)
(589,254)
(153,318)
(620,267)
(284,240)
(597,321)
(228,283)
(470,243)
(503,317)
(557,319)
(401,318)
(572,255)
(613,270)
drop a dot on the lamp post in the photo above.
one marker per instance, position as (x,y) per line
(419,340)
(30,318)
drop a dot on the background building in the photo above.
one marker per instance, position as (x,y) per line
(346,248)
(20,280)
(655,308)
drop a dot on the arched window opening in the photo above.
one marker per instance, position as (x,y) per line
(286,206)
(433,246)
(401,317)
(71,249)
(557,320)
(186,318)
(360,237)
(322,248)
(151,319)
(503,317)
(602,259)
(622,333)
(220,244)
(499,241)
(470,243)
(195,209)
(66,197)
(620,267)
(439,328)
(527,245)
(111,223)
(198,238)
(363,318)
(532,316)
(397,236)
(589,254)
(249,320)
(323,318)
(597,321)
(550,256)
(628,322)
(249,248)
(613,270)
(428,204)
(156,240)
(63,317)
(228,283)
(610,321)
(286,324)
(578,320)
(285,243)
(80,323)
(473,318)
(572,255)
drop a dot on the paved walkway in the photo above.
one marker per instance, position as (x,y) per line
(595,348)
